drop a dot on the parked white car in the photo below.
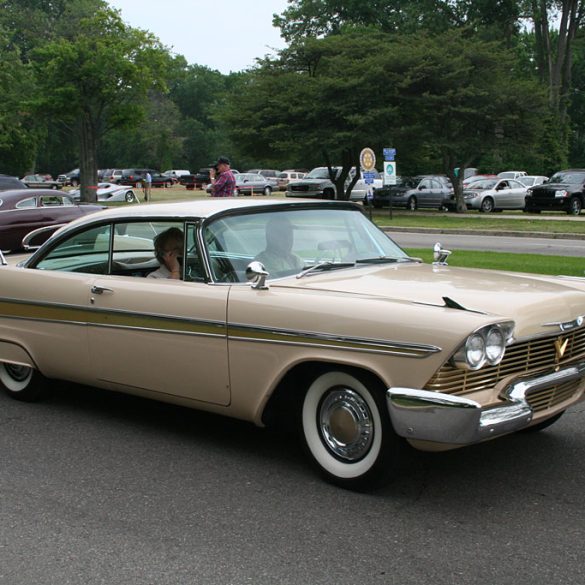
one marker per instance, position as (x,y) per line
(495,194)
(532,180)
(110,192)
(511,174)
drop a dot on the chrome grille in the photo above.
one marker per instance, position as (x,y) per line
(520,359)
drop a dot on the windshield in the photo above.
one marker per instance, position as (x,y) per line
(570,177)
(319,173)
(483,184)
(292,240)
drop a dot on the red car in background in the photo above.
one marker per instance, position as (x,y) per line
(25,210)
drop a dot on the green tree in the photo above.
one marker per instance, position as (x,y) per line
(96,79)
(442,101)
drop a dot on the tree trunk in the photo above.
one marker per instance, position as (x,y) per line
(88,160)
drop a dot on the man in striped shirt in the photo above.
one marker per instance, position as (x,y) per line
(224,185)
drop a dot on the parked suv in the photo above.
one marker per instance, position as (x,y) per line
(71,178)
(564,191)
(318,185)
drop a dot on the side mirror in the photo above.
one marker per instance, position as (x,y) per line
(257,274)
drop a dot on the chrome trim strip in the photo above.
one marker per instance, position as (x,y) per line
(312,338)
(567,325)
(82,315)
(442,418)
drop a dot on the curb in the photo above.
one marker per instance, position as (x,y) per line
(469,232)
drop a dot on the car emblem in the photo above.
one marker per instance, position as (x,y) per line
(560,348)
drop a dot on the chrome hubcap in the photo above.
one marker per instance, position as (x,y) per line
(345,424)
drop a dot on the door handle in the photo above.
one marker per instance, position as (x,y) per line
(98,290)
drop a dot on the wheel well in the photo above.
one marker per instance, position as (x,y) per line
(284,404)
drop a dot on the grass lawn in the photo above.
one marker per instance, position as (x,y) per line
(535,263)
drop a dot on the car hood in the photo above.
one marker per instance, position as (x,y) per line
(548,186)
(525,297)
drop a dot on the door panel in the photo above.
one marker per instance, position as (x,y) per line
(161,335)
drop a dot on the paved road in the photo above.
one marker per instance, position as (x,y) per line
(105,489)
(523,245)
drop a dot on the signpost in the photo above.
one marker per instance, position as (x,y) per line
(390,177)
(368,165)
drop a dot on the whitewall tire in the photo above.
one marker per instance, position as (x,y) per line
(346,430)
(23,382)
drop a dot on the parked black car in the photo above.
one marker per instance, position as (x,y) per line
(136,178)
(8,182)
(564,191)
(432,191)
(198,180)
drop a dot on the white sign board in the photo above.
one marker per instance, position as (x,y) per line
(389,173)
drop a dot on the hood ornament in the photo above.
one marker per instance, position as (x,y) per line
(440,255)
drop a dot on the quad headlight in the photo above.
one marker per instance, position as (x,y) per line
(484,346)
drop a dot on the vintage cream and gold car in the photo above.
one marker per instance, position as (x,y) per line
(296,312)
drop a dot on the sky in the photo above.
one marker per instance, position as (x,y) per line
(226,35)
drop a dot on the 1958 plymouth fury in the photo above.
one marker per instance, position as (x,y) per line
(297,312)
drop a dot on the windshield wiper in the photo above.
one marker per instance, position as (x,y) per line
(325,265)
(382,260)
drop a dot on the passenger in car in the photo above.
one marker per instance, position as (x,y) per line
(278,257)
(168,247)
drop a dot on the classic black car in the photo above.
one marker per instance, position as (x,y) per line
(25,210)
(8,182)
(564,191)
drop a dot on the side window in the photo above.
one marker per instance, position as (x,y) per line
(26,203)
(51,201)
(133,252)
(86,252)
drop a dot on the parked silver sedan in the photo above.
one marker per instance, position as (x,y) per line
(495,194)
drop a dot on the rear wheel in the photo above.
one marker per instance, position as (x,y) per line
(129,196)
(412,205)
(346,430)
(575,206)
(23,382)
(487,205)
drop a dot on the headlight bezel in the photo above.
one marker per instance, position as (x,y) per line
(484,346)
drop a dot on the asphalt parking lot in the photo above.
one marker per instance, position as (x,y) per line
(100,488)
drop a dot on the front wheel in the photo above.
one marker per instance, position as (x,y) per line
(487,205)
(347,432)
(267,191)
(23,382)
(411,203)
(575,206)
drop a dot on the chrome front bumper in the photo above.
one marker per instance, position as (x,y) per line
(443,418)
